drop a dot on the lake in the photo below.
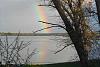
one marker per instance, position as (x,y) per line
(45,48)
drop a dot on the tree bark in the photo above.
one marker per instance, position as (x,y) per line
(75,36)
(98,9)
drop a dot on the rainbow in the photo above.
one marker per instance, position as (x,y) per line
(40,14)
(43,52)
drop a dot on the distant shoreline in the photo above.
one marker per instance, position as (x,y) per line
(33,34)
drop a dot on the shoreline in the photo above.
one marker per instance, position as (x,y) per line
(33,34)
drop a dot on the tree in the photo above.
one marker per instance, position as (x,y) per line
(98,9)
(11,51)
(76,24)
(75,34)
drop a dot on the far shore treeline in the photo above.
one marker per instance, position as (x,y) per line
(40,34)
(32,34)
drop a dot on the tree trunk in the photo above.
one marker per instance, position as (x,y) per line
(98,9)
(75,36)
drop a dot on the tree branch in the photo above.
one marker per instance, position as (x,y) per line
(45,28)
(54,24)
(62,48)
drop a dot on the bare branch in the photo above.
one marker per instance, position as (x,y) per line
(54,24)
(63,48)
(44,28)
(47,5)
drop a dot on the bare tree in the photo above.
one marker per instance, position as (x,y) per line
(76,24)
(98,9)
(10,51)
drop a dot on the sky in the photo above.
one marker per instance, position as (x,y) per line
(23,16)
